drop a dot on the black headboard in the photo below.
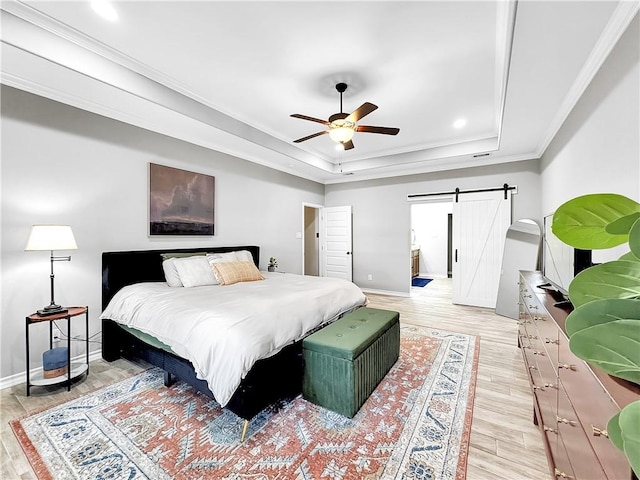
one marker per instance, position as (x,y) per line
(120,269)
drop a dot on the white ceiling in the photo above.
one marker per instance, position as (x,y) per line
(227,75)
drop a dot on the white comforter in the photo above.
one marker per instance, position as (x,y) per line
(224,330)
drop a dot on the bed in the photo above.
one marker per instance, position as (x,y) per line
(275,376)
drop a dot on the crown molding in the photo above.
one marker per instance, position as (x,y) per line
(506,21)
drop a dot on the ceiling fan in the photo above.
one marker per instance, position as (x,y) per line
(342,126)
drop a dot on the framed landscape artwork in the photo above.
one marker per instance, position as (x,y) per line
(180,202)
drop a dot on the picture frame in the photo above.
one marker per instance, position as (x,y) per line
(180,202)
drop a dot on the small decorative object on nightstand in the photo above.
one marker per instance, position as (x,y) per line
(73,370)
(273,264)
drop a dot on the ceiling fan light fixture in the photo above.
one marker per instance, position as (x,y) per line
(341,131)
(341,127)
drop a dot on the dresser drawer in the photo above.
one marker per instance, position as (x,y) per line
(561,466)
(594,407)
(584,463)
(545,397)
(548,333)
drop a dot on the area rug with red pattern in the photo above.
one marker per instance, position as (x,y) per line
(415,425)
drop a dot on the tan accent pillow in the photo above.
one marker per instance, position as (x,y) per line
(229,273)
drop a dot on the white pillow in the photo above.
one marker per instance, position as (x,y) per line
(195,271)
(171,273)
(222,257)
(244,256)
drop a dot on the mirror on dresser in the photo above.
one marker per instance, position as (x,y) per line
(521,252)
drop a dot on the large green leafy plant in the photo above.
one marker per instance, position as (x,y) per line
(604,327)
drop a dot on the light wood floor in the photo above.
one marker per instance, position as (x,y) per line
(504,442)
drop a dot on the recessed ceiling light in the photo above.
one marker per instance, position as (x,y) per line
(461,122)
(104,9)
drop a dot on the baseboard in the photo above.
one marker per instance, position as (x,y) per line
(386,292)
(19,378)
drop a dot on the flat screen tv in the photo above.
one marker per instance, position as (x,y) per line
(560,262)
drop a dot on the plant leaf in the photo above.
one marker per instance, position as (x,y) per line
(623,225)
(617,279)
(629,257)
(629,420)
(582,221)
(613,346)
(634,239)
(600,312)
(615,432)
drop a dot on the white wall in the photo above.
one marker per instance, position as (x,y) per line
(64,165)
(598,147)
(429,222)
(382,215)
(597,150)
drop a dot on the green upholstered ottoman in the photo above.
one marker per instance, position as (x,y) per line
(345,361)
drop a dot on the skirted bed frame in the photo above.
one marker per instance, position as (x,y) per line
(272,379)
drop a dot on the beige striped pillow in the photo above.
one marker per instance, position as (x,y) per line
(229,273)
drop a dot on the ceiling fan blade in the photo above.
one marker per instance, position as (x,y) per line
(383,130)
(348,145)
(365,109)
(309,137)
(311,119)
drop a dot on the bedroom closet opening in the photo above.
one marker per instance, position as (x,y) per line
(431,240)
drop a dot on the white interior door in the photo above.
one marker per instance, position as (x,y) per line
(480,223)
(336,241)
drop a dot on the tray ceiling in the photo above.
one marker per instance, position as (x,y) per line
(227,75)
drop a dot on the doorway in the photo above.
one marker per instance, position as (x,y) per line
(311,240)
(431,236)
(327,241)
(472,230)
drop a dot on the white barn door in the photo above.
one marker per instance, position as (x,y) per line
(336,241)
(480,223)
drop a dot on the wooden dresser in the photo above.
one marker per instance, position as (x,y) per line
(572,400)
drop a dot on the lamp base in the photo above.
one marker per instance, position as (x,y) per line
(52,310)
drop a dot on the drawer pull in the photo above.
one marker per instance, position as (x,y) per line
(532,367)
(536,352)
(535,387)
(564,420)
(524,323)
(534,307)
(532,337)
(560,474)
(540,318)
(549,429)
(571,367)
(599,432)
(548,340)
(527,296)
(550,385)
(526,346)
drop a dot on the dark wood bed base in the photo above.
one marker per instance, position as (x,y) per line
(271,380)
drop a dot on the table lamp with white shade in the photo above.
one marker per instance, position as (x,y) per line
(52,237)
